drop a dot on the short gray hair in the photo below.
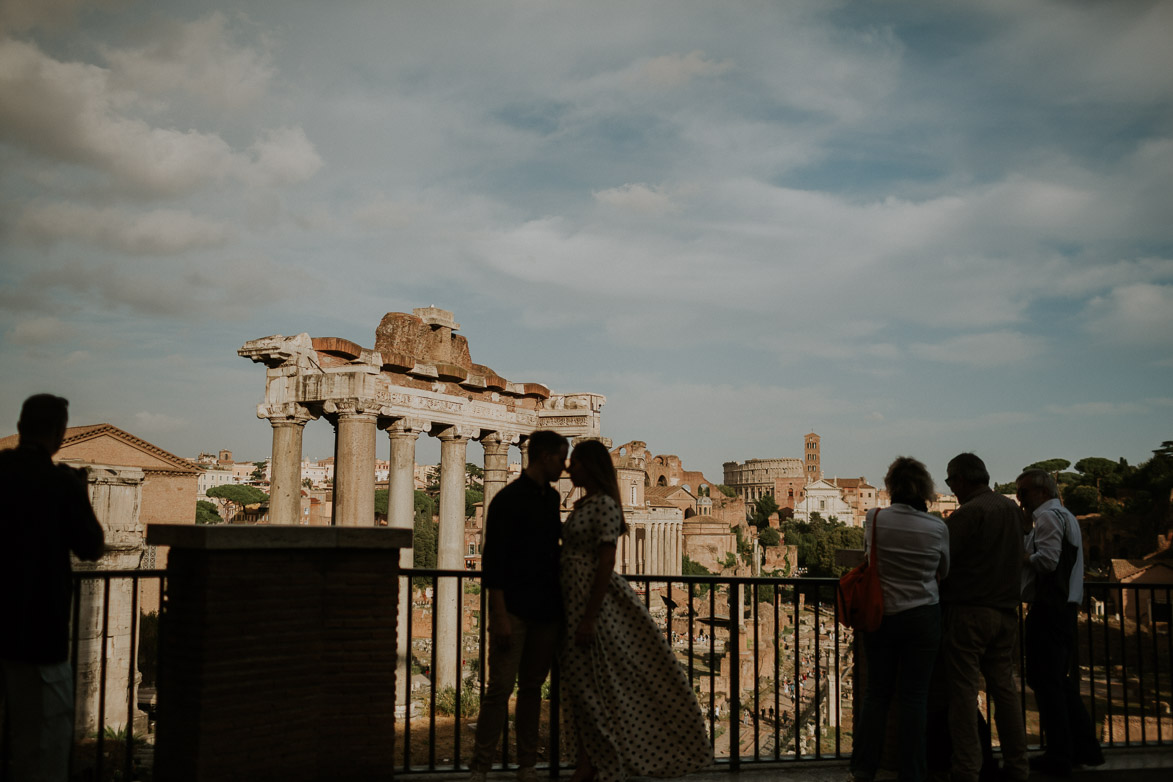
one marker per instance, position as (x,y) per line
(908,479)
(1040,479)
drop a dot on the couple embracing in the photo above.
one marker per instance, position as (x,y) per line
(632,709)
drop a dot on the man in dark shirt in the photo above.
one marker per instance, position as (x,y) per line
(520,570)
(47,515)
(980,598)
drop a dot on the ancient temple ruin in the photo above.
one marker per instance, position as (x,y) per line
(418,379)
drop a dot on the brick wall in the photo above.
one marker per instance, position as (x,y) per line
(277,664)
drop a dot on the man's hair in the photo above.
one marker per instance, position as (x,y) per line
(908,479)
(545,441)
(43,414)
(1041,479)
(970,469)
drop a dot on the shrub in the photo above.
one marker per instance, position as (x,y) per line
(470,702)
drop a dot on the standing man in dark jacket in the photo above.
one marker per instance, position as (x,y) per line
(47,516)
(981,597)
(520,569)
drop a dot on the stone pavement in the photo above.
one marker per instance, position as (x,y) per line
(1153,764)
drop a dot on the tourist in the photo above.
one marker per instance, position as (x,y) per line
(520,571)
(46,516)
(980,600)
(632,709)
(912,553)
(1053,585)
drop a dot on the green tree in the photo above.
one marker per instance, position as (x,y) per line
(207,513)
(769,536)
(258,473)
(690,568)
(1006,488)
(763,508)
(1097,470)
(728,491)
(473,475)
(236,494)
(382,498)
(471,498)
(1053,466)
(817,541)
(1082,500)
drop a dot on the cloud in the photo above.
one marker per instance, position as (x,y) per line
(638,198)
(982,350)
(157,423)
(1087,409)
(42,330)
(283,157)
(198,58)
(1139,315)
(673,70)
(157,232)
(73,112)
(219,287)
(23,15)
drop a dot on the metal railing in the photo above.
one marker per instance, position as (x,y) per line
(773,670)
(108,652)
(792,694)
(770,664)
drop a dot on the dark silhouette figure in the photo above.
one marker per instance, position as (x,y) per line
(46,516)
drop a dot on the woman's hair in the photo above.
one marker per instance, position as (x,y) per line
(595,461)
(908,482)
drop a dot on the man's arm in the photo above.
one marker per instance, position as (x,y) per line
(1048,541)
(494,570)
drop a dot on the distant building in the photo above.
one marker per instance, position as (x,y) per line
(826,499)
(781,478)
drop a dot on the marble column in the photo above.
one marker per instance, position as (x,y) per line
(523,446)
(450,553)
(403,435)
(354,469)
(496,446)
(285,481)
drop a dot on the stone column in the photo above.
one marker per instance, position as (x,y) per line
(354,469)
(496,446)
(656,560)
(116,496)
(450,553)
(403,434)
(523,446)
(288,423)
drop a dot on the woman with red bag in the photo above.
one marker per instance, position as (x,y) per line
(912,553)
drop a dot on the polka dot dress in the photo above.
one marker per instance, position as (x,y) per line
(626,695)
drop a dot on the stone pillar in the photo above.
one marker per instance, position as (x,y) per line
(354,469)
(288,423)
(116,496)
(496,464)
(450,553)
(403,434)
(523,446)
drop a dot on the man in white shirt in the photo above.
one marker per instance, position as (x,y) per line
(1053,585)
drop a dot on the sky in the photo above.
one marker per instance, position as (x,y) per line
(915,228)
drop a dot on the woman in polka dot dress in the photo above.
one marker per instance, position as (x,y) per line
(631,706)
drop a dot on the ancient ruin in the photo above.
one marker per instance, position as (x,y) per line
(418,379)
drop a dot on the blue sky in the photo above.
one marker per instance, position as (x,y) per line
(913,227)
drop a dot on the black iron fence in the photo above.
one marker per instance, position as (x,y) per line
(773,670)
(113,653)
